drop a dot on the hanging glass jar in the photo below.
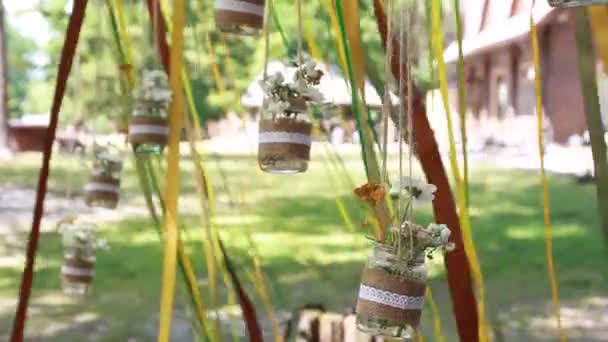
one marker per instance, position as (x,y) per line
(148,127)
(103,188)
(245,17)
(285,139)
(574,3)
(285,125)
(79,245)
(391,295)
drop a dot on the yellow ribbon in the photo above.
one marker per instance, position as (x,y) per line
(598,15)
(172,192)
(465,221)
(548,229)
(336,28)
(357,56)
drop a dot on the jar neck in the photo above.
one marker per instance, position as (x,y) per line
(390,254)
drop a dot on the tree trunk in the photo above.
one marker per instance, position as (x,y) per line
(3,82)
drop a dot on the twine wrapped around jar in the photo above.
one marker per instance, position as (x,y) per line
(148,129)
(390,297)
(239,16)
(391,294)
(102,189)
(76,270)
(575,3)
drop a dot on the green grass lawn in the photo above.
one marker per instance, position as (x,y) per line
(309,254)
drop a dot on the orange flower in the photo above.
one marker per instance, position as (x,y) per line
(371,193)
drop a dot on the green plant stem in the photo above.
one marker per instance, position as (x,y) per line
(587,63)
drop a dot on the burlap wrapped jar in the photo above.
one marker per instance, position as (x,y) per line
(77,275)
(102,191)
(78,269)
(391,294)
(148,133)
(103,188)
(574,3)
(284,140)
(244,17)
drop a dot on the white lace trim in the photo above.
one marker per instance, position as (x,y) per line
(240,6)
(94,186)
(284,137)
(395,300)
(148,129)
(78,272)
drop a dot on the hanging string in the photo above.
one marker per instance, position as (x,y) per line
(387,108)
(410,118)
(300,33)
(155,7)
(267,38)
(97,76)
(400,124)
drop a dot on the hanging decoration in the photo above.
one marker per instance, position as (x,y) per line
(103,188)
(285,125)
(574,3)
(79,246)
(245,17)
(394,280)
(148,128)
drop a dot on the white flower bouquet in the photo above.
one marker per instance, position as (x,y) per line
(393,284)
(288,96)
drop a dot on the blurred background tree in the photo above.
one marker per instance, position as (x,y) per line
(94,88)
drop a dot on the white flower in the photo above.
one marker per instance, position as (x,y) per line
(419,191)
(310,67)
(154,87)
(276,106)
(312,95)
(102,244)
(441,236)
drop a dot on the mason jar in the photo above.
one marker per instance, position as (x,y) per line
(148,126)
(574,3)
(392,293)
(284,139)
(103,187)
(78,269)
(244,17)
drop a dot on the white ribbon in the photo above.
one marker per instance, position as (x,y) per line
(77,272)
(284,137)
(148,129)
(240,6)
(96,186)
(387,298)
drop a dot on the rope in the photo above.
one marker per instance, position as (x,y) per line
(465,220)
(172,192)
(65,65)
(400,123)
(410,119)
(300,33)
(387,107)
(548,229)
(269,9)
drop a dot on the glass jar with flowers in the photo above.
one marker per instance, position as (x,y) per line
(245,17)
(103,188)
(79,246)
(394,280)
(574,3)
(148,128)
(285,126)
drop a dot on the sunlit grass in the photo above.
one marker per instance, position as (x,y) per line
(308,252)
